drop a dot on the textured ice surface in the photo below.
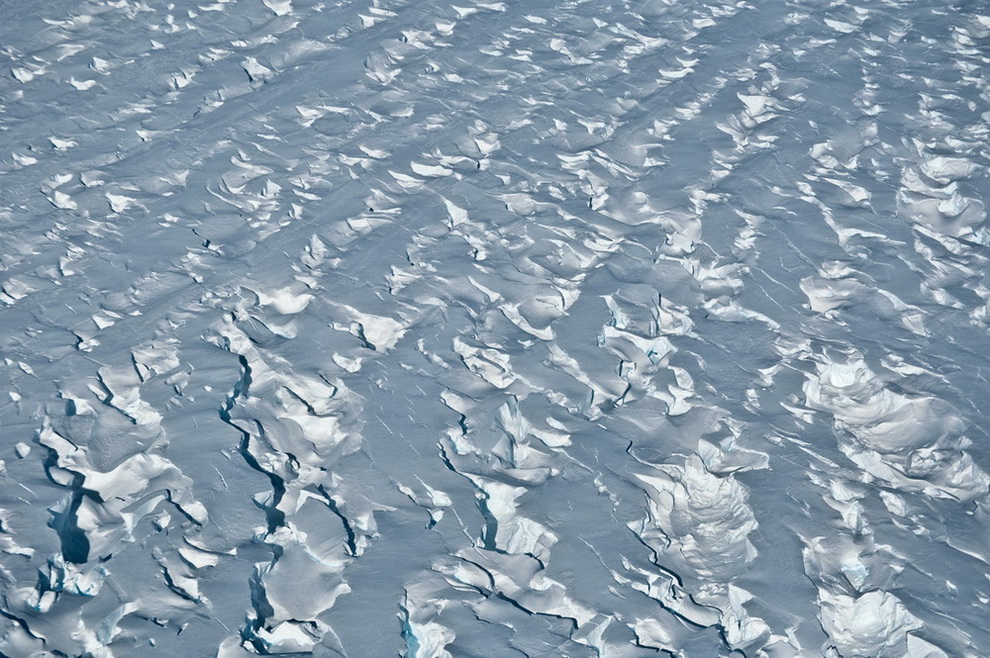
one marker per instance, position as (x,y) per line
(494,328)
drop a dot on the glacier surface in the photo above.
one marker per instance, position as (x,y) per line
(587,328)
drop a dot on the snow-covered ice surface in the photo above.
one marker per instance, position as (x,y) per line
(494,328)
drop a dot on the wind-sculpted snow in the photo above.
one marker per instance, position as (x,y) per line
(494,328)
